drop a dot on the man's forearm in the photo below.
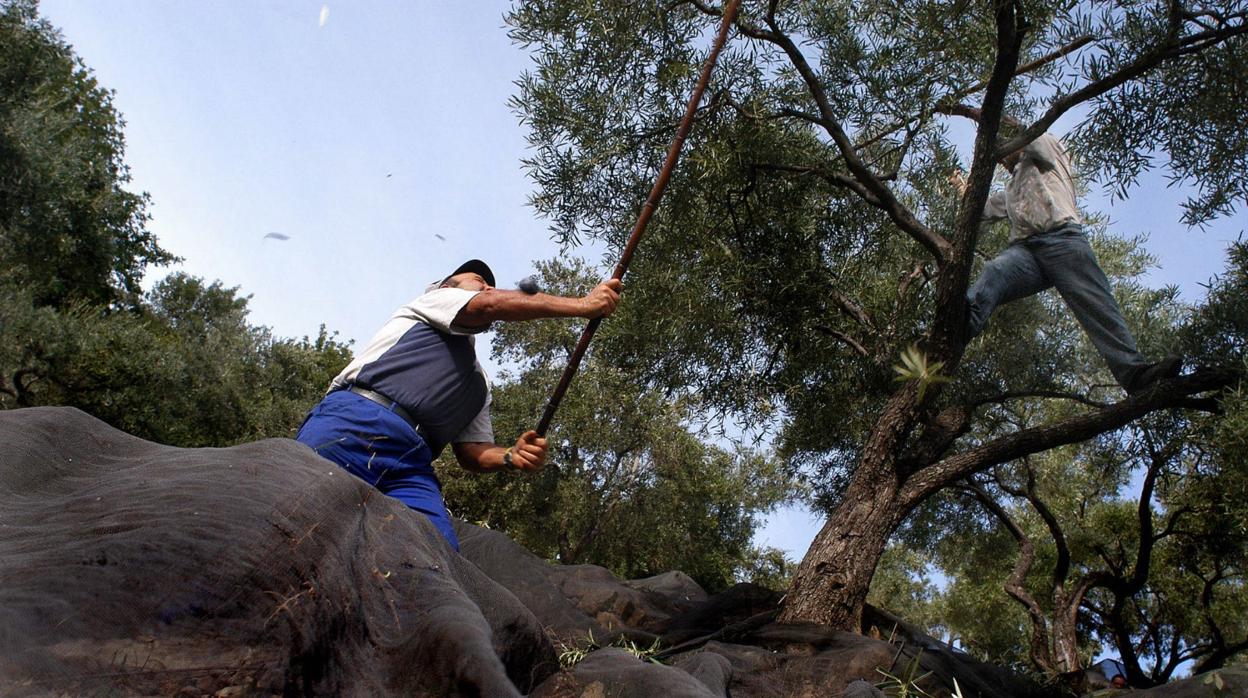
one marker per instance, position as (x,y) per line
(494,304)
(479,457)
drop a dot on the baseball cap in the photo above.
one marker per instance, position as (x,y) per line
(475,266)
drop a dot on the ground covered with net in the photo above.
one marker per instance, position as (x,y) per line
(131,568)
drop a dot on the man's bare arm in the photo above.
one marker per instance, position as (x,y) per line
(529,453)
(494,304)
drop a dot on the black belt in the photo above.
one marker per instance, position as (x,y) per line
(386,403)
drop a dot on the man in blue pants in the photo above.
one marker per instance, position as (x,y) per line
(417,387)
(1048,249)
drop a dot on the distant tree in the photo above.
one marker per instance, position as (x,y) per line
(184,369)
(811,236)
(1158,580)
(630,484)
(903,585)
(767,567)
(69,230)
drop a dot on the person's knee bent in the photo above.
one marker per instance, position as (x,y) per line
(976,318)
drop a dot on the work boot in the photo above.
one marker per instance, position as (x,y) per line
(1168,367)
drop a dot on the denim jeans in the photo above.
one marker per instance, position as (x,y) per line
(1060,258)
(377,446)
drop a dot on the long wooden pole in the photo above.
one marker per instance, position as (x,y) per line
(652,202)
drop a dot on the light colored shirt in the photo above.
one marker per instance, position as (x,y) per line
(427,363)
(1040,195)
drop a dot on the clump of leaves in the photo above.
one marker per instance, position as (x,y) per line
(904,684)
(571,655)
(1215,679)
(914,366)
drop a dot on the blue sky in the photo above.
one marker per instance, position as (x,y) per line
(365,137)
(361,140)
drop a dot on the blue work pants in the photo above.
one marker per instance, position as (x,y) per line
(379,447)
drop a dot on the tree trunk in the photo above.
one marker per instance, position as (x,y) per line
(832,582)
(1065,631)
(567,555)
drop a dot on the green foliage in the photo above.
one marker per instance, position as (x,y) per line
(630,484)
(571,655)
(185,368)
(767,567)
(69,231)
(974,607)
(915,367)
(1219,331)
(905,684)
(1181,110)
(903,586)
(801,246)
(1192,604)
(180,365)
(800,294)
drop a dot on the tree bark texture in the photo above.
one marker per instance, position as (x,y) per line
(832,582)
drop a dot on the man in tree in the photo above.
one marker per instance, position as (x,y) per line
(1049,249)
(417,386)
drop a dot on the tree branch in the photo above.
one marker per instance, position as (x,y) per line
(1174,48)
(833,178)
(1061,566)
(939,433)
(21,386)
(918,271)
(702,7)
(1014,586)
(937,245)
(1054,394)
(1166,394)
(948,337)
(949,104)
(845,339)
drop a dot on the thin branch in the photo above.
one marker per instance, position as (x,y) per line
(1175,48)
(1030,66)
(22,387)
(833,178)
(949,103)
(918,271)
(1015,585)
(702,7)
(1053,394)
(1144,517)
(900,151)
(1199,404)
(1061,566)
(845,339)
(800,115)
(1172,523)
